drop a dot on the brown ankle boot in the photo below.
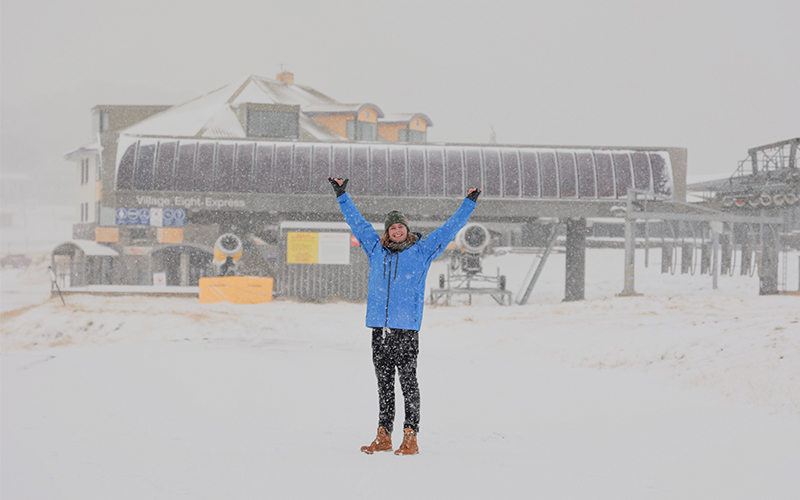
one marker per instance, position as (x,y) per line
(382,443)
(409,446)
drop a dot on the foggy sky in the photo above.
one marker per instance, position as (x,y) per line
(716,77)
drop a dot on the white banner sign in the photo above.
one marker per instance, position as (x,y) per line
(334,248)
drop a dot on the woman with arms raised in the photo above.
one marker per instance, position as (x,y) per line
(398,266)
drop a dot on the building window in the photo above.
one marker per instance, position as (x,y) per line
(277,124)
(105,121)
(97,212)
(84,170)
(362,131)
(101,122)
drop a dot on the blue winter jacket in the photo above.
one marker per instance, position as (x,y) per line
(397,280)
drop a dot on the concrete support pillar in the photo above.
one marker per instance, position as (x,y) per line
(768,267)
(716,230)
(576,260)
(184,269)
(628,288)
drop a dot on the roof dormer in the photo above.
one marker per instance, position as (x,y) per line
(358,122)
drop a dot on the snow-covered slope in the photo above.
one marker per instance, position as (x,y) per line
(684,392)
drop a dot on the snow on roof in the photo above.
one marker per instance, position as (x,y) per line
(88,149)
(213,115)
(312,130)
(285,225)
(224,124)
(89,248)
(331,108)
(405,118)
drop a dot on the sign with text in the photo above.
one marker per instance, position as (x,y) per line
(302,248)
(159,217)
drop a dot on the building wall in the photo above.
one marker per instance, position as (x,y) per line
(108,158)
(388,131)
(368,115)
(87,192)
(122,116)
(418,124)
(337,123)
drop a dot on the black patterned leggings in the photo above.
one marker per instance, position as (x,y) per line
(394,348)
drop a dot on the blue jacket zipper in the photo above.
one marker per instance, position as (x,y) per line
(388,290)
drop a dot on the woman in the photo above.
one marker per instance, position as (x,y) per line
(398,265)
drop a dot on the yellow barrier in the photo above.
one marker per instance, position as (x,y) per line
(236,289)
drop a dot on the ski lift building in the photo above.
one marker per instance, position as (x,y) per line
(255,154)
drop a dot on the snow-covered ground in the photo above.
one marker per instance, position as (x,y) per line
(683,392)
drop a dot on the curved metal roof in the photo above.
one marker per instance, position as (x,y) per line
(397,170)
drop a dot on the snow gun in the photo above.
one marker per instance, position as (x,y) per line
(227,252)
(472,240)
(464,270)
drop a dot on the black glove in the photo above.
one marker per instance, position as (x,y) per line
(339,190)
(474,195)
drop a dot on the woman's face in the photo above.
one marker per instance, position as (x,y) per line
(398,232)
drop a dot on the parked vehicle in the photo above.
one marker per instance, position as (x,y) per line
(15,261)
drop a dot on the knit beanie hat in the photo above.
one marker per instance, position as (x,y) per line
(395,217)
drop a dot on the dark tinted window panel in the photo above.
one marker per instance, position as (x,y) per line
(263,181)
(223,169)
(282,169)
(662,184)
(417,136)
(379,169)
(435,172)
(320,170)
(272,124)
(472,159)
(184,170)
(165,166)
(204,167)
(301,169)
(641,170)
(341,162)
(125,170)
(510,174)
(244,167)
(586,184)
(397,172)
(622,173)
(145,159)
(359,171)
(491,178)
(416,172)
(454,173)
(530,174)
(605,175)
(566,175)
(547,164)
(366,131)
